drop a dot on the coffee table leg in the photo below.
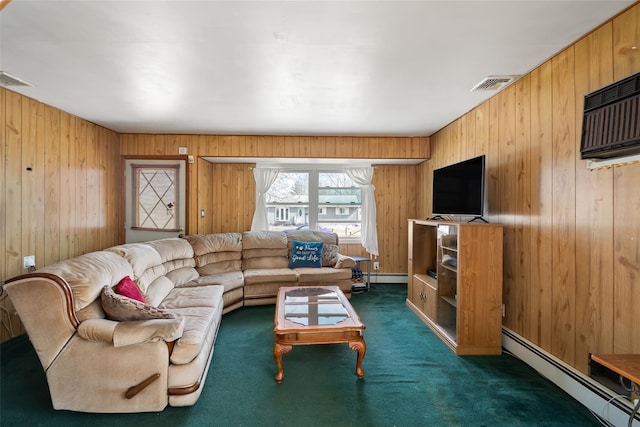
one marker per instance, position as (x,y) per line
(278,351)
(361,347)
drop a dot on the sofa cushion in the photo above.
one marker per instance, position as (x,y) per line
(147,263)
(220,267)
(128,288)
(306,254)
(264,252)
(183,275)
(230,280)
(127,333)
(324,274)
(118,307)
(265,262)
(330,255)
(86,281)
(345,262)
(219,242)
(176,264)
(141,256)
(197,323)
(311,236)
(172,249)
(192,296)
(158,290)
(265,275)
(201,308)
(151,274)
(214,257)
(264,240)
(216,248)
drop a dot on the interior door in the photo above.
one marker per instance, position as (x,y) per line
(155,199)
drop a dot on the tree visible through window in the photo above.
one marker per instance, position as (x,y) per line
(155,195)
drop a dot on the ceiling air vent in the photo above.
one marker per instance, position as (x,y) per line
(493,83)
(7,80)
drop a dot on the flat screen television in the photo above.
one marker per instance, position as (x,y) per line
(458,189)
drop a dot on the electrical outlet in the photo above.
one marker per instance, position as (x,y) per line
(376,265)
(28,261)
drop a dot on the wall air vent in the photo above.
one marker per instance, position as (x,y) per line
(611,120)
(7,80)
(493,83)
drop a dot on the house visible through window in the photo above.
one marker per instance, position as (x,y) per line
(155,193)
(316,200)
(282,214)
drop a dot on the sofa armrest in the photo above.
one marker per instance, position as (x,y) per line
(131,332)
(97,330)
(345,262)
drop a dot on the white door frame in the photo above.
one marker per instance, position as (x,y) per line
(131,236)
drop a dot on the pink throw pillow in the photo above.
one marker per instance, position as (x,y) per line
(128,288)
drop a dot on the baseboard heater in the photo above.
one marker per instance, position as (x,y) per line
(611,120)
(601,401)
(388,278)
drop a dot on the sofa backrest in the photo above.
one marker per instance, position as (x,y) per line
(312,236)
(87,274)
(264,249)
(216,253)
(177,257)
(157,264)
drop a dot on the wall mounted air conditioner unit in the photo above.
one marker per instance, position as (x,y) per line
(611,120)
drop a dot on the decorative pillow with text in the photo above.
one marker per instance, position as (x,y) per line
(306,254)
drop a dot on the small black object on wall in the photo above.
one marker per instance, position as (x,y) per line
(611,120)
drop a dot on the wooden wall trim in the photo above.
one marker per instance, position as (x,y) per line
(58,185)
(571,251)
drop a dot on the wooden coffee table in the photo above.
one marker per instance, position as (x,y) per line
(315,315)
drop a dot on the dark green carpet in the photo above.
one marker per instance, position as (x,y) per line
(411,379)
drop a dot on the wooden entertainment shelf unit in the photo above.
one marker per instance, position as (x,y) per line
(462,304)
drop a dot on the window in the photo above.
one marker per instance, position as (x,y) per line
(288,201)
(317,200)
(155,193)
(343,201)
(282,214)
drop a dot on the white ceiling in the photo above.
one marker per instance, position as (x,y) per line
(388,68)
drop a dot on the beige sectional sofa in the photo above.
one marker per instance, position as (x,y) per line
(103,352)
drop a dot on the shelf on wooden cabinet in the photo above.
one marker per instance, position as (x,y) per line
(427,279)
(462,306)
(450,300)
(448,267)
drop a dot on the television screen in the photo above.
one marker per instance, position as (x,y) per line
(458,189)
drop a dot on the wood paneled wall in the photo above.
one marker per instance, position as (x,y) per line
(226,191)
(59,184)
(572,236)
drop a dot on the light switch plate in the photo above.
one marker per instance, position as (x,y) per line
(29,261)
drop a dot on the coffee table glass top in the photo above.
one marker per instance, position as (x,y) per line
(314,306)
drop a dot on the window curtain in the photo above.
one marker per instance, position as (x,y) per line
(265,178)
(362,177)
